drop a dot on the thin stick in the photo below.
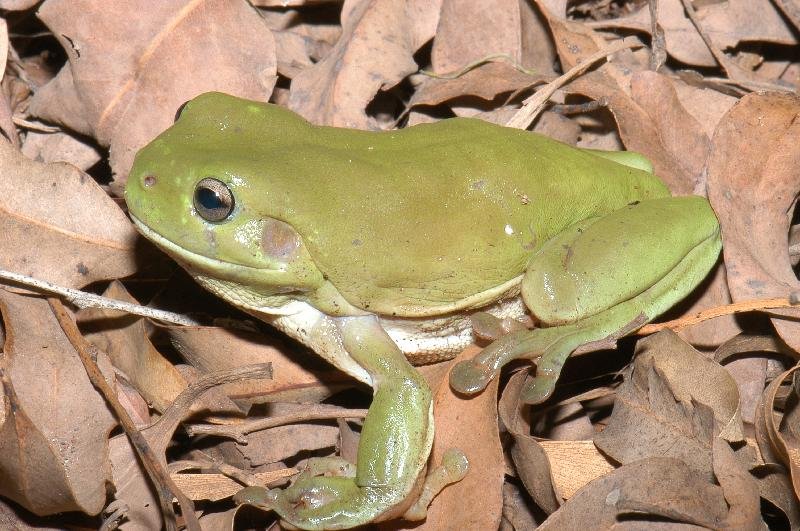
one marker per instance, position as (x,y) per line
(82,299)
(240,430)
(535,103)
(718,311)
(165,488)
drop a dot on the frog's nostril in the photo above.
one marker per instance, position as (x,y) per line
(149,180)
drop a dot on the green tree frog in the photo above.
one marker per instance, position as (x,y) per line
(374,248)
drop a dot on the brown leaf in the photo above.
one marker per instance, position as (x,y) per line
(132,485)
(739,488)
(59,147)
(530,459)
(485,81)
(125,95)
(656,486)
(753,187)
(59,225)
(17,5)
(295,376)
(780,441)
(680,134)
(707,382)
(336,90)
(730,23)
(282,442)
(509,27)
(470,425)
(54,425)
(741,358)
(776,487)
(124,338)
(669,410)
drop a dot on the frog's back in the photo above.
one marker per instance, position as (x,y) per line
(432,218)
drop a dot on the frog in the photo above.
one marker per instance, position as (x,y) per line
(377,249)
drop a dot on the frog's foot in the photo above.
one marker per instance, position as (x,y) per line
(453,468)
(330,466)
(551,345)
(319,502)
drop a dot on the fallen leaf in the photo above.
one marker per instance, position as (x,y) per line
(775,486)
(337,90)
(656,486)
(729,24)
(753,188)
(739,488)
(669,410)
(125,95)
(59,147)
(469,424)
(59,225)
(54,426)
(124,338)
(529,457)
(295,376)
(485,81)
(508,27)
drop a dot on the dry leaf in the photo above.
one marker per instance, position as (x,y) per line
(507,27)
(656,486)
(470,425)
(739,488)
(54,425)
(59,225)
(124,338)
(729,23)
(133,487)
(125,95)
(776,487)
(295,376)
(59,147)
(485,81)
(753,188)
(669,405)
(336,90)
(530,459)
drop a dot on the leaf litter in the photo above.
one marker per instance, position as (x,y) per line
(701,428)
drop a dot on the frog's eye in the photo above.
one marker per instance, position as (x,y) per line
(213,199)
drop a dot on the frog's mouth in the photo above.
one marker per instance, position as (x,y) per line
(263,282)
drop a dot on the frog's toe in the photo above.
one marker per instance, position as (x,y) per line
(471,376)
(540,389)
(324,502)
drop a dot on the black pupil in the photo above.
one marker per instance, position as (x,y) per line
(208,198)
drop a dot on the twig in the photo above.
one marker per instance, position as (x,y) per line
(82,299)
(165,488)
(161,432)
(535,103)
(658,45)
(494,58)
(718,311)
(238,431)
(733,70)
(791,10)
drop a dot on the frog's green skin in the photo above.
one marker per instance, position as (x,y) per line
(374,247)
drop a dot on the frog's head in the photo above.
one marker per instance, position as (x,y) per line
(199,193)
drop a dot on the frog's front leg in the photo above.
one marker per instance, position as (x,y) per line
(395,443)
(602,278)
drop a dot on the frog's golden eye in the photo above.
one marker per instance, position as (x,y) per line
(213,200)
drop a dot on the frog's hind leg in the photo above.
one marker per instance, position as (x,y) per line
(602,278)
